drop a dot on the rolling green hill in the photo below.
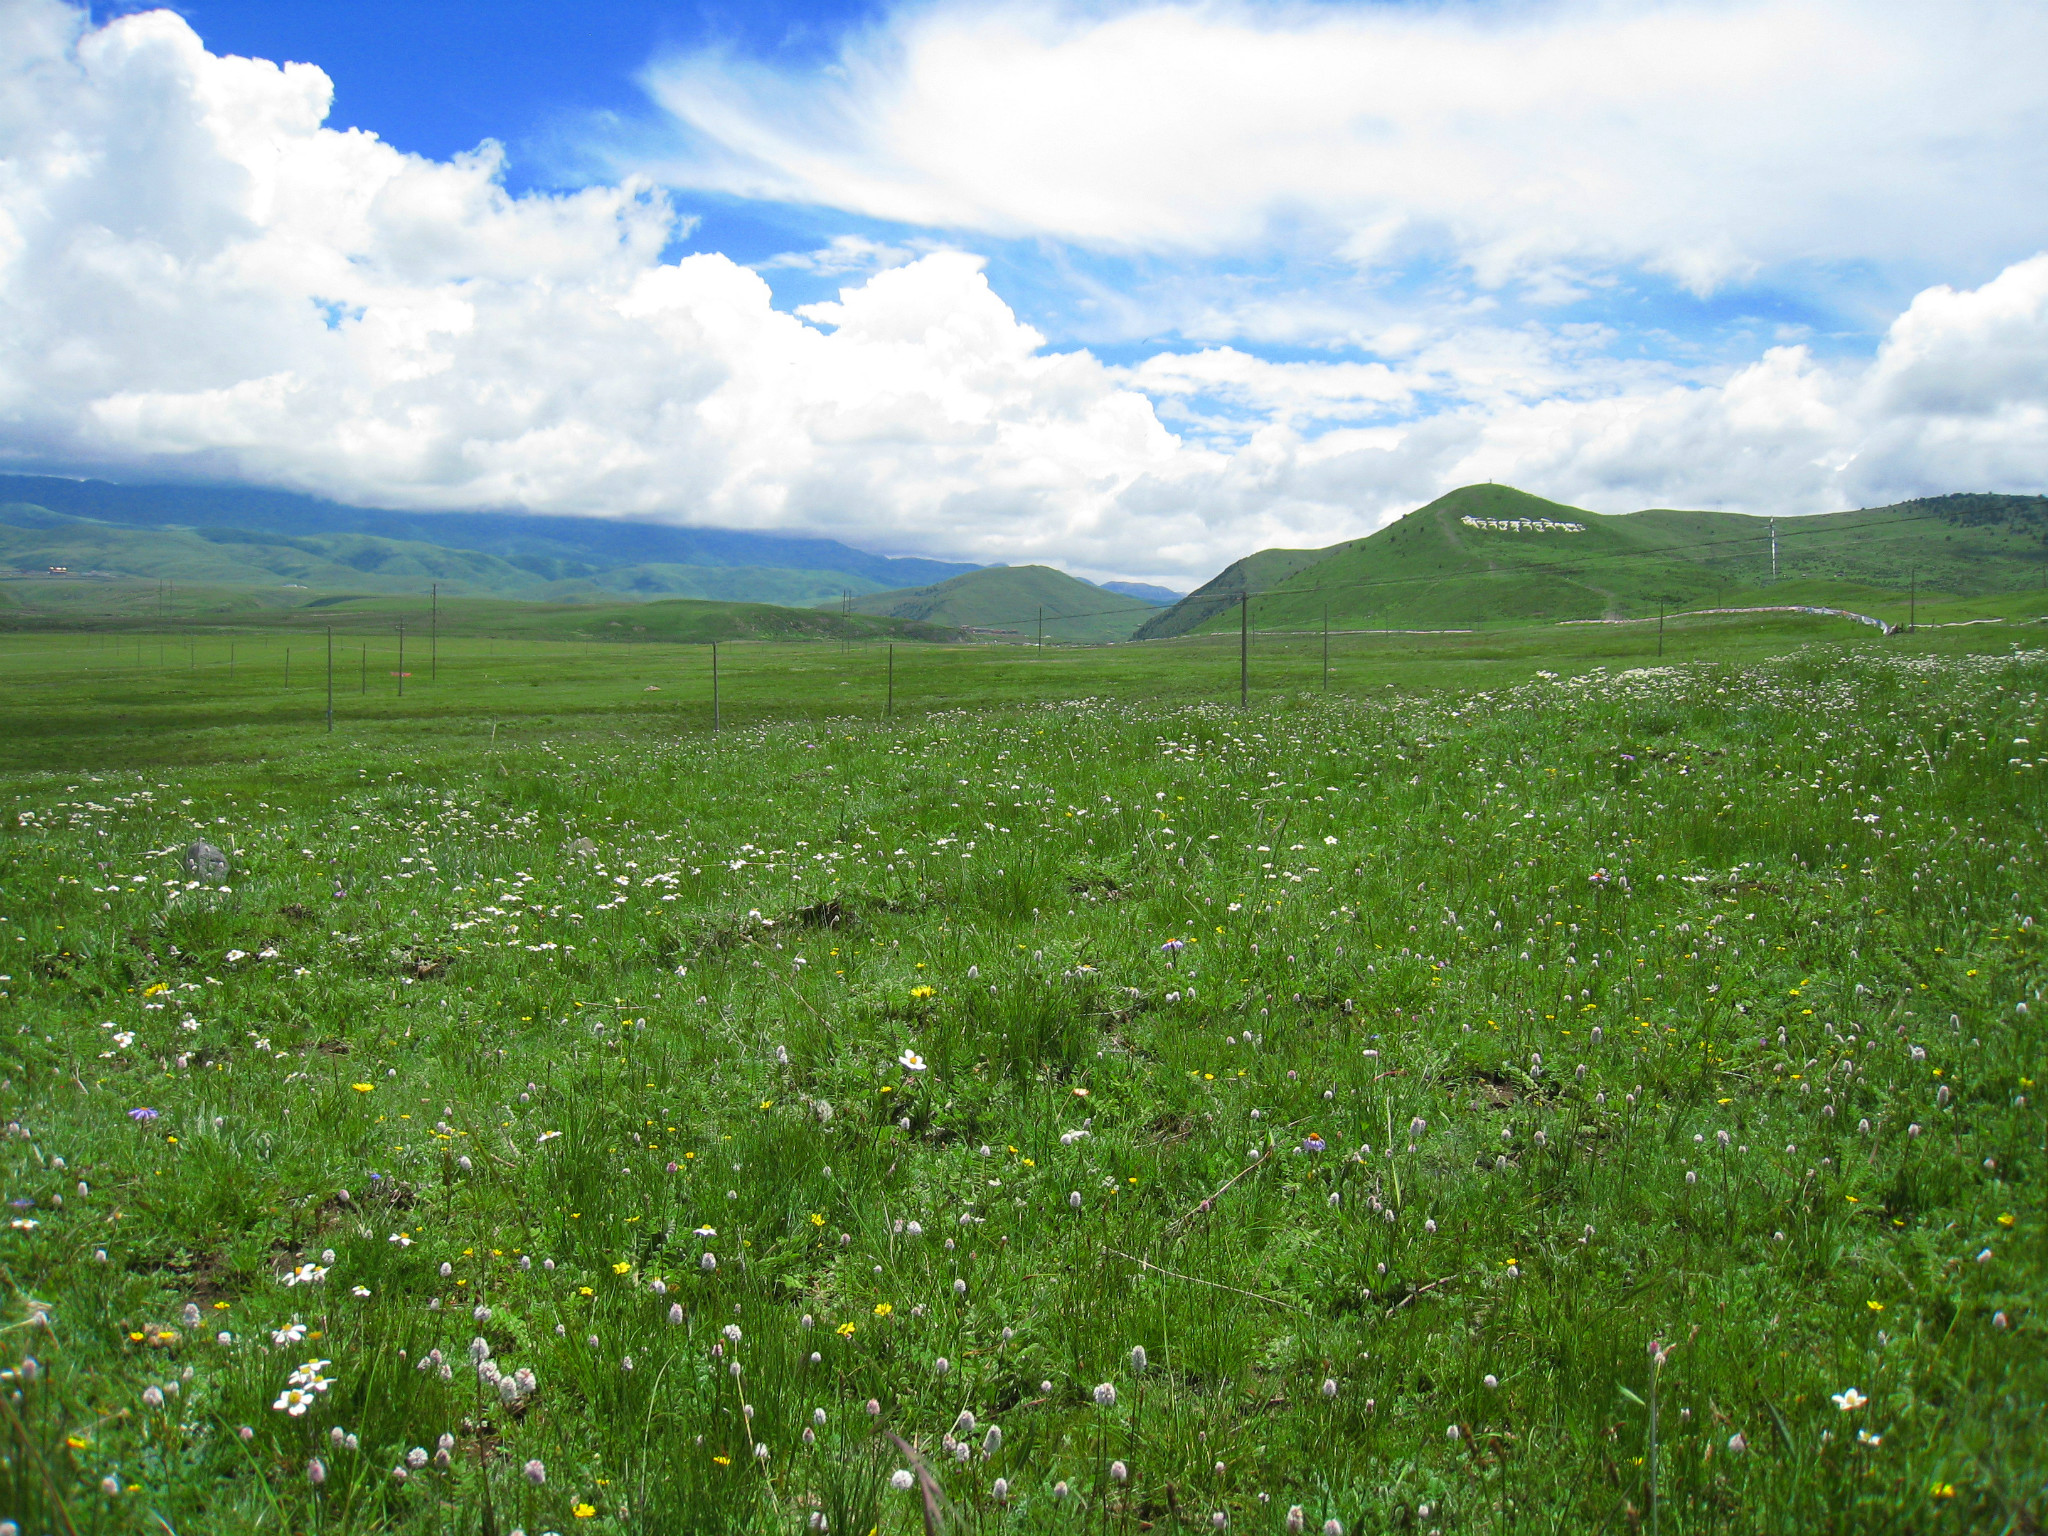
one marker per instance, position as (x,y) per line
(1489,554)
(1007,600)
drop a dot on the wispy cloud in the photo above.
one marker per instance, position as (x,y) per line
(1707,140)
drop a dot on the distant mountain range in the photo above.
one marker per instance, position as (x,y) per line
(1017,601)
(1489,553)
(1162,597)
(233,534)
(1482,554)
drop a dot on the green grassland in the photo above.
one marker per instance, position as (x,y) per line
(1022,602)
(139,694)
(1432,569)
(187,614)
(1534,1085)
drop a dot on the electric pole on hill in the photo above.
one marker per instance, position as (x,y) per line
(1244,650)
(714,685)
(401,661)
(1660,631)
(1326,647)
(330,679)
(1774,550)
(1912,600)
(1041,631)
(434,635)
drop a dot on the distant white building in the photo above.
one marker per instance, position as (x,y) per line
(1521,525)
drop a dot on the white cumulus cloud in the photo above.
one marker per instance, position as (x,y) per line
(198,278)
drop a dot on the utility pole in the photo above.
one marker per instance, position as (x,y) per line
(1774,550)
(1326,647)
(434,635)
(366,669)
(1041,630)
(714,685)
(1244,650)
(1660,631)
(1912,601)
(889,704)
(330,679)
(401,661)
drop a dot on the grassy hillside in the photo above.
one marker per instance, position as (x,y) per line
(1219,595)
(1009,599)
(1479,556)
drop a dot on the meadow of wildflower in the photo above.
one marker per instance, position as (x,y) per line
(1542,1100)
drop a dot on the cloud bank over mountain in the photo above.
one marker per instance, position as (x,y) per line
(199,278)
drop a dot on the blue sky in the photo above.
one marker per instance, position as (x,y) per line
(1130,288)
(435,78)
(550,81)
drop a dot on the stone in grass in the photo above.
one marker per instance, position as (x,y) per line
(203,861)
(582,847)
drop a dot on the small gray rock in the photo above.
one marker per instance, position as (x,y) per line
(582,847)
(203,861)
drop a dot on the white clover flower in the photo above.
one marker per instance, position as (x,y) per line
(1105,1396)
(902,1479)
